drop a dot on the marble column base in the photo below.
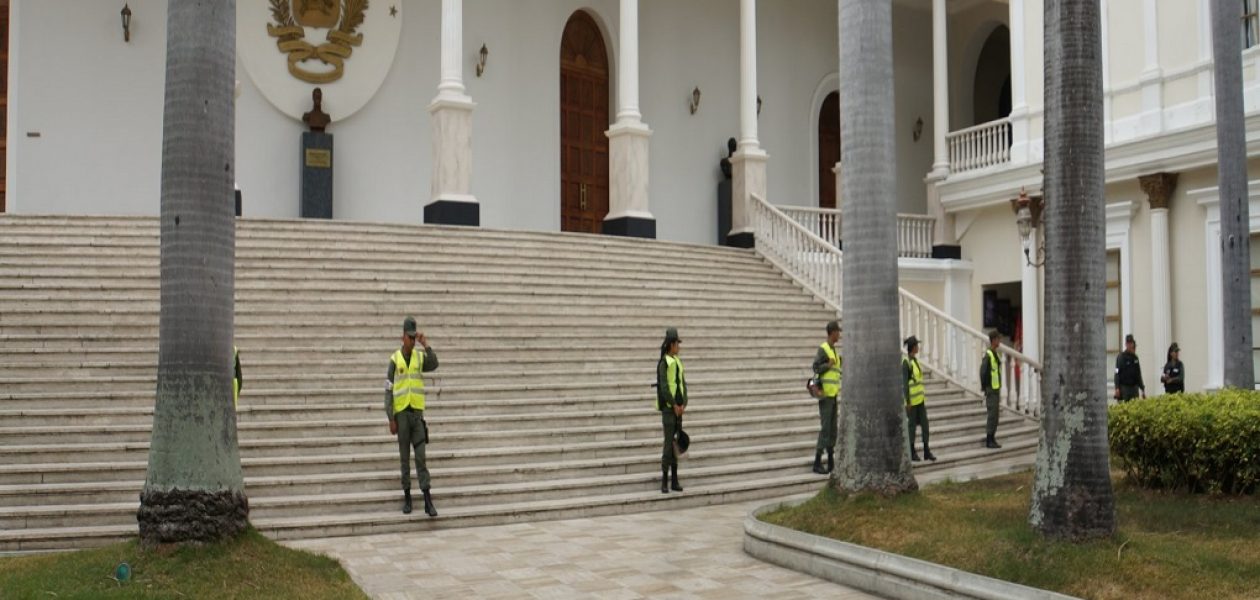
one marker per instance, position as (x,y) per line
(629,211)
(748,170)
(452,202)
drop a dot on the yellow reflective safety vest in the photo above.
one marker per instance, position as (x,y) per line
(408,381)
(236,383)
(915,383)
(830,379)
(675,376)
(995,375)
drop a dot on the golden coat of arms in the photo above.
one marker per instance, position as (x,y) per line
(341,18)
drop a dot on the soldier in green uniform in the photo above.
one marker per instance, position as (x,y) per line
(827,366)
(671,400)
(404,405)
(991,385)
(912,394)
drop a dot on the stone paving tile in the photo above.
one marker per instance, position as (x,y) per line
(618,557)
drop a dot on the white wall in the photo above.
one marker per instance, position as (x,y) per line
(97,104)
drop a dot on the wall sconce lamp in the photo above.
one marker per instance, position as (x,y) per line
(481,60)
(758,104)
(1027,215)
(126,22)
(694,103)
(918,128)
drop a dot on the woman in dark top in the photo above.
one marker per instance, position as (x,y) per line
(1174,376)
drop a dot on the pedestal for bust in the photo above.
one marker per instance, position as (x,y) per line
(317,175)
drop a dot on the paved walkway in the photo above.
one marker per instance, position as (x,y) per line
(625,556)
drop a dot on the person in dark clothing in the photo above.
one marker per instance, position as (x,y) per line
(912,394)
(1174,377)
(1128,381)
(991,385)
(828,365)
(671,400)
(404,405)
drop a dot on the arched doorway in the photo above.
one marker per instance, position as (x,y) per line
(583,119)
(991,90)
(828,149)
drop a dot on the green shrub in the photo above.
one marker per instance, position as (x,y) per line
(1206,442)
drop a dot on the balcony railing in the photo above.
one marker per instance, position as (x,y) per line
(984,145)
(914,232)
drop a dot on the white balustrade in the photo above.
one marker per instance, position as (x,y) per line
(914,232)
(981,146)
(949,347)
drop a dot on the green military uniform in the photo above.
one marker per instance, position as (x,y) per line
(1128,377)
(404,404)
(916,407)
(829,376)
(237,380)
(671,391)
(991,384)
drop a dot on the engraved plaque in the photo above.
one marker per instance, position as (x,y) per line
(318,158)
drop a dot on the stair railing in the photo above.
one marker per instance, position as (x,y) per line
(950,348)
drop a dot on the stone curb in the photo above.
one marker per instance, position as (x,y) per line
(874,571)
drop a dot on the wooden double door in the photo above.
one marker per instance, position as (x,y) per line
(584,112)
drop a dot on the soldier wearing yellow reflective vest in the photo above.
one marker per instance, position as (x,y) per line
(916,408)
(671,400)
(828,367)
(404,405)
(991,384)
(237,380)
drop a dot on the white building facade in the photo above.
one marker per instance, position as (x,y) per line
(612,116)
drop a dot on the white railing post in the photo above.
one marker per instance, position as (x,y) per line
(981,146)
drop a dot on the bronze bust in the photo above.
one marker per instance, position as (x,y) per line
(317,119)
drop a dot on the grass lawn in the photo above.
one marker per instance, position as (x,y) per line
(249,567)
(1167,545)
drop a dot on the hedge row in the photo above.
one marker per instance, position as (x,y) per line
(1203,443)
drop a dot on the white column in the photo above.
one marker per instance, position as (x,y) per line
(940,86)
(629,212)
(1030,302)
(450,113)
(1106,73)
(1161,288)
(749,160)
(1019,72)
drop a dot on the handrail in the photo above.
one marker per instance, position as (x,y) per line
(950,348)
(981,126)
(914,232)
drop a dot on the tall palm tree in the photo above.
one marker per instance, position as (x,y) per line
(194,490)
(872,445)
(1072,496)
(1232,181)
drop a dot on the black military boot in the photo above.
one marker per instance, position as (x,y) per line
(991,442)
(914,456)
(831,460)
(673,476)
(818,468)
(664,479)
(429,509)
(406,502)
(927,454)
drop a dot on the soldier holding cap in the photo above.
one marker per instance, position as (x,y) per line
(671,400)
(1128,372)
(827,367)
(404,405)
(991,384)
(916,408)
(1174,377)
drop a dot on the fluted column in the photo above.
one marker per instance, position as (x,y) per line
(749,161)
(629,211)
(1159,188)
(451,201)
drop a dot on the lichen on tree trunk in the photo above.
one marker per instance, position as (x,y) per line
(191,516)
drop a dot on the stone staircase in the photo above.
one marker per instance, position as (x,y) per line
(542,407)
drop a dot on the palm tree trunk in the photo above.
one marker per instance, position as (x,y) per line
(1232,182)
(1072,496)
(872,430)
(194,490)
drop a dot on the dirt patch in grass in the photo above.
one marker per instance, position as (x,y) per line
(251,566)
(1168,545)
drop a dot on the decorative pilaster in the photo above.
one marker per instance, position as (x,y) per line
(749,161)
(629,212)
(1159,188)
(1019,69)
(452,202)
(1152,77)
